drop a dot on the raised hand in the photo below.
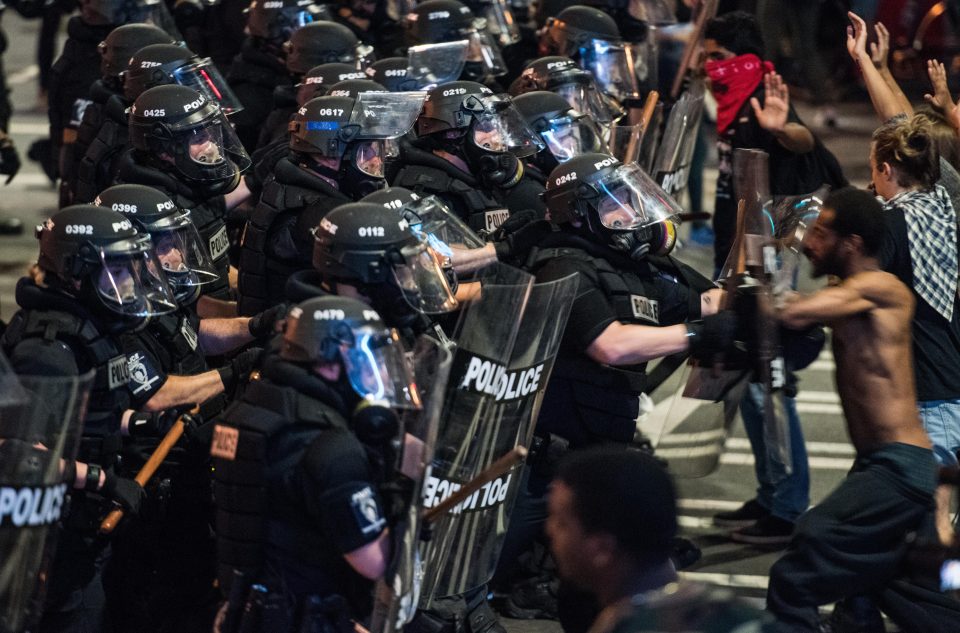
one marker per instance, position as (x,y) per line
(776,104)
(940,98)
(857,37)
(880,50)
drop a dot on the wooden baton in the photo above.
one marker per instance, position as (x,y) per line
(490,473)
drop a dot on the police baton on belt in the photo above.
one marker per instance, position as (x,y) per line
(491,472)
(148,470)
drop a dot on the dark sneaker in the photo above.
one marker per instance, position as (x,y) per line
(744,516)
(684,553)
(532,599)
(769,530)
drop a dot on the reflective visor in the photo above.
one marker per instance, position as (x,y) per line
(571,136)
(501,128)
(501,24)
(183,256)
(133,284)
(615,67)
(369,158)
(376,368)
(435,64)
(630,199)
(204,77)
(422,281)
(584,97)
(484,49)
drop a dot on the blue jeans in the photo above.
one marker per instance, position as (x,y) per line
(941,420)
(785,495)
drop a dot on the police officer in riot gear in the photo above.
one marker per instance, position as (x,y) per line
(437,22)
(565,132)
(183,145)
(96,279)
(467,152)
(177,588)
(152,65)
(298,461)
(577,86)
(259,67)
(115,52)
(330,163)
(392,72)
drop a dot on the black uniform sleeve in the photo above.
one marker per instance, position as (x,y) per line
(37,357)
(591,312)
(336,484)
(146,372)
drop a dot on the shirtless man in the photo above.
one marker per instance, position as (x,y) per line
(852,542)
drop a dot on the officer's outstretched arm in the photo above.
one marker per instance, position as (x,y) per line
(237,196)
(181,390)
(370,560)
(625,344)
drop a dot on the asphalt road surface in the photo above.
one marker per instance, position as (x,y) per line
(32,198)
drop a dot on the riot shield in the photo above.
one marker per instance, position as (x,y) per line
(40,423)
(466,542)
(671,168)
(397,594)
(792,218)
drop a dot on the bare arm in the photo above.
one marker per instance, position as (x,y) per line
(219,336)
(181,390)
(467,260)
(886,103)
(856,295)
(627,344)
(370,560)
(238,195)
(941,98)
(879,54)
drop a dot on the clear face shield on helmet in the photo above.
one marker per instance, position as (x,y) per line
(132,283)
(572,135)
(630,199)
(483,50)
(617,67)
(420,276)
(374,359)
(204,77)
(183,256)
(584,96)
(500,128)
(435,64)
(447,234)
(210,151)
(500,22)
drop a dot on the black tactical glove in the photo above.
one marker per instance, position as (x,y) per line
(197,434)
(502,170)
(9,158)
(519,233)
(265,323)
(127,493)
(713,335)
(238,371)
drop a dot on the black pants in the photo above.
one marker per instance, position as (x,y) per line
(854,541)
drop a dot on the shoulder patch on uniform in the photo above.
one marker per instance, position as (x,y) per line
(366,511)
(118,372)
(225,440)
(142,374)
(646,309)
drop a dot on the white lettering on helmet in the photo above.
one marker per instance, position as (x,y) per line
(78,229)
(272,4)
(193,105)
(454,91)
(124,208)
(371,315)
(122,226)
(606,162)
(395,72)
(563,64)
(438,15)
(330,314)
(565,178)
(344,76)
(154,112)
(328,226)
(149,64)
(370,231)
(163,206)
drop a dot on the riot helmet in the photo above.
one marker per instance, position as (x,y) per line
(317,81)
(346,332)
(348,140)
(619,205)
(164,64)
(365,245)
(324,43)
(635,17)
(563,76)
(353,87)
(127,12)
(392,72)
(121,44)
(574,28)
(176,241)
(447,41)
(467,119)
(179,130)
(499,20)
(98,255)
(565,132)
(274,21)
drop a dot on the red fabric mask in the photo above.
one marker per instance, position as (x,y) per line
(732,81)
